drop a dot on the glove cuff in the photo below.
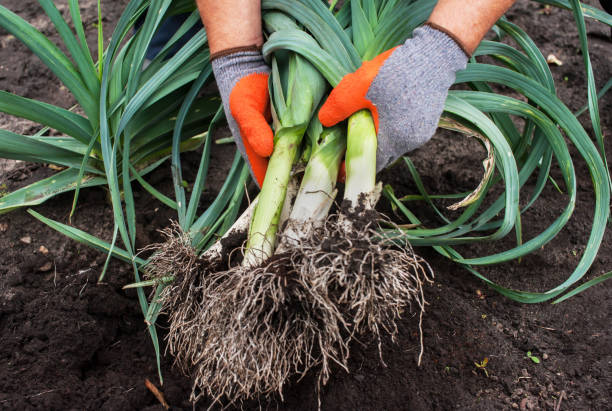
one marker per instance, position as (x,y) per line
(230,68)
(435,42)
(451,35)
(234,50)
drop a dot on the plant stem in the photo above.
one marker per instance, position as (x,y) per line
(318,188)
(100,41)
(262,233)
(360,157)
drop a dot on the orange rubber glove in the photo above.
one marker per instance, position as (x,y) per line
(242,78)
(404,88)
(350,95)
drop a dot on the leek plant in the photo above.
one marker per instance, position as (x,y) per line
(366,278)
(317,192)
(256,322)
(294,105)
(250,310)
(335,43)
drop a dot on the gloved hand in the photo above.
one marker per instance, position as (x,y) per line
(405,89)
(242,78)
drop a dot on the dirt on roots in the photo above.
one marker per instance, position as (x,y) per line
(68,341)
(241,332)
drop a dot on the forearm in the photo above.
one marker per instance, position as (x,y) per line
(468,20)
(231,23)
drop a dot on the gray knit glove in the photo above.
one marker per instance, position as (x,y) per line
(405,89)
(242,78)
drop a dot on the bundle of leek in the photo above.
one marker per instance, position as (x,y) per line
(300,295)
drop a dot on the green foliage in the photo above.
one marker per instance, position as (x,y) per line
(518,153)
(533,358)
(134,119)
(130,98)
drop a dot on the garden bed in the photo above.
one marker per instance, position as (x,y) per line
(70,342)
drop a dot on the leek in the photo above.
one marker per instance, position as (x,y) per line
(361,160)
(297,89)
(317,191)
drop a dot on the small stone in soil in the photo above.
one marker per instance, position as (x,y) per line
(43,250)
(528,403)
(26,240)
(46,267)
(3,227)
(552,59)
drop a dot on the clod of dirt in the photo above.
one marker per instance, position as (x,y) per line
(46,267)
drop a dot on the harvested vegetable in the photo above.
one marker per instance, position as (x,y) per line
(306,286)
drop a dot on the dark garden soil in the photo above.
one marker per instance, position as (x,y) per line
(68,341)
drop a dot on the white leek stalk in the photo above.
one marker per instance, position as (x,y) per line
(317,191)
(293,108)
(361,161)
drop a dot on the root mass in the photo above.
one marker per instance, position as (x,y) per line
(244,332)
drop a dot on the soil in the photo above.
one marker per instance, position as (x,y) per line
(69,341)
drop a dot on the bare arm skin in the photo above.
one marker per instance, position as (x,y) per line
(231,23)
(468,20)
(237,23)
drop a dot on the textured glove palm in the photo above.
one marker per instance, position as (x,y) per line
(405,89)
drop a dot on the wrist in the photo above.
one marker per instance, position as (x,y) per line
(467,50)
(437,49)
(465,38)
(467,22)
(231,24)
(230,68)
